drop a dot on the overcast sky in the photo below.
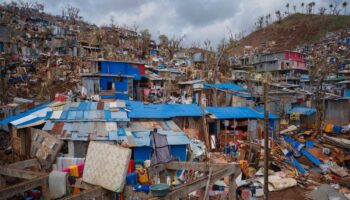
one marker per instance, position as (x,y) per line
(197,19)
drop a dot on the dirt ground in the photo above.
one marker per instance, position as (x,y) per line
(294,193)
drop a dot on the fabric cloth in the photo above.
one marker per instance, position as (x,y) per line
(161,153)
(58,184)
(146,92)
(337,129)
(73,170)
(65,162)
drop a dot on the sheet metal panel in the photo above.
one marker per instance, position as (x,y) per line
(56,114)
(72,115)
(93,105)
(48,126)
(119,115)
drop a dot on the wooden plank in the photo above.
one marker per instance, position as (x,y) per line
(207,186)
(232,187)
(22,187)
(2,181)
(25,164)
(204,167)
(155,170)
(200,183)
(19,173)
(88,194)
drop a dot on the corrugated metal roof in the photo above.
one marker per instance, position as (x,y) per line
(31,117)
(238,112)
(91,111)
(191,82)
(167,125)
(229,86)
(82,130)
(261,111)
(302,110)
(162,111)
(174,138)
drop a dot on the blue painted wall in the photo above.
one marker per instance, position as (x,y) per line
(120,87)
(104,81)
(109,67)
(142,153)
(347,92)
(145,153)
(178,151)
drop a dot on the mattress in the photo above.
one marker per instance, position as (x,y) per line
(106,165)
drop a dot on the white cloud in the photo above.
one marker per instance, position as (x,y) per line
(198,19)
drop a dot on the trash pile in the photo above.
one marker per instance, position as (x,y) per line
(320,164)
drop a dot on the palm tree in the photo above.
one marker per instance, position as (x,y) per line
(309,8)
(330,8)
(345,4)
(313,4)
(278,15)
(302,7)
(287,6)
(295,8)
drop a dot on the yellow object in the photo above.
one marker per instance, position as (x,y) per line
(75,190)
(73,170)
(244,166)
(142,176)
(328,128)
(293,116)
(251,172)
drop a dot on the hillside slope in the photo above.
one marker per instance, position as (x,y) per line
(291,32)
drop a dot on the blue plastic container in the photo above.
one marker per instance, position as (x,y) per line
(131,179)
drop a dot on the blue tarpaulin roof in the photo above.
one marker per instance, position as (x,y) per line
(162,111)
(261,111)
(239,112)
(302,110)
(229,86)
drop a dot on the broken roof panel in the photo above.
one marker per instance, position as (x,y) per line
(31,117)
(174,138)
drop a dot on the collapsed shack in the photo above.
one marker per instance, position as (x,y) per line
(23,180)
(28,179)
(214,172)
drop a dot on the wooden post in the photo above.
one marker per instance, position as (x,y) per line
(232,187)
(205,128)
(45,190)
(266,143)
(162,176)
